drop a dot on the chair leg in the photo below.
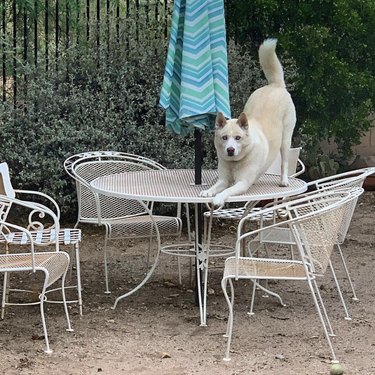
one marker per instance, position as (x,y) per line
(231,293)
(347,315)
(270,293)
(205,282)
(5,296)
(179,262)
(251,312)
(230,302)
(266,249)
(48,350)
(322,316)
(355,298)
(79,286)
(69,329)
(149,252)
(107,291)
(41,303)
(179,271)
(323,309)
(70,270)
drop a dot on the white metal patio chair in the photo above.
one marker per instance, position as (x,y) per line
(283,235)
(53,264)
(314,223)
(121,218)
(45,234)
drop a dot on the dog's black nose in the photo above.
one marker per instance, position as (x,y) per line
(230,151)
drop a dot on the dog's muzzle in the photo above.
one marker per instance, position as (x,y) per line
(230,151)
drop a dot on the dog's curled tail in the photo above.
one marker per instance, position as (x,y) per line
(270,64)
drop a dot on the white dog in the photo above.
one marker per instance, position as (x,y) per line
(247,146)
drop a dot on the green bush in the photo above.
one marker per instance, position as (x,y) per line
(106,99)
(333,45)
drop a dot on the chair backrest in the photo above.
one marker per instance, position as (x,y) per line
(345,180)
(316,224)
(295,165)
(6,187)
(314,221)
(6,190)
(86,167)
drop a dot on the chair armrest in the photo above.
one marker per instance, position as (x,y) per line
(288,207)
(35,209)
(342,179)
(48,198)
(18,228)
(301,168)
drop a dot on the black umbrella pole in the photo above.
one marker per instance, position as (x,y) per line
(198,156)
(199,214)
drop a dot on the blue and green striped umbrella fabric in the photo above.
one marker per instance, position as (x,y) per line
(195,85)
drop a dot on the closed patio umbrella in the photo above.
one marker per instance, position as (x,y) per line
(195,85)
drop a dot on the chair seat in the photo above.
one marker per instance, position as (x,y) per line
(43,237)
(258,268)
(54,262)
(142,226)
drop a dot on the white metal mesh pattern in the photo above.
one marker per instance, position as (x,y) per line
(319,233)
(177,185)
(143,226)
(347,180)
(124,217)
(264,268)
(55,263)
(349,209)
(111,207)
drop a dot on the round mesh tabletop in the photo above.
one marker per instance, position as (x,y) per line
(177,185)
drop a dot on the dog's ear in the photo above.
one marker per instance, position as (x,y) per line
(220,121)
(242,121)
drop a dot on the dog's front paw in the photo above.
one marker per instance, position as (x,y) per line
(284,183)
(206,193)
(218,200)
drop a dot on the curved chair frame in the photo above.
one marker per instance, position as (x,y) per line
(305,216)
(121,218)
(44,233)
(53,264)
(347,180)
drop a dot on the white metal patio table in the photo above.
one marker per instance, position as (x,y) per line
(177,186)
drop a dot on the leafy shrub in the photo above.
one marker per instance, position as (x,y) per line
(333,45)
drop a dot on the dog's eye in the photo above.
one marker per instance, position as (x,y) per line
(224,137)
(237,138)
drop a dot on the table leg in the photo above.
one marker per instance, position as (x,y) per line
(200,261)
(151,271)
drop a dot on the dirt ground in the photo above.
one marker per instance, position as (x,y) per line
(156,330)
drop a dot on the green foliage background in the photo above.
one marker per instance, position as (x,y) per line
(333,45)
